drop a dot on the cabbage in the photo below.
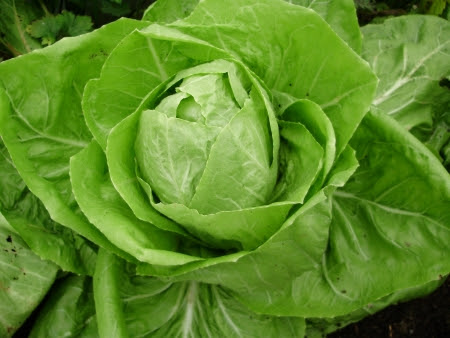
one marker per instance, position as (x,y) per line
(223,168)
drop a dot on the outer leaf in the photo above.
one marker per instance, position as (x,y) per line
(69,311)
(410,55)
(31,220)
(24,279)
(318,327)
(108,307)
(145,306)
(167,11)
(12,185)
(294,36)
(340,15)
(41,121)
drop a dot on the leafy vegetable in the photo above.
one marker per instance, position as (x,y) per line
(221,172)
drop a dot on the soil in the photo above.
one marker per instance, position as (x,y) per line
(427,317)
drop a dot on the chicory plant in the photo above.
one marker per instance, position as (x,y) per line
(224,168)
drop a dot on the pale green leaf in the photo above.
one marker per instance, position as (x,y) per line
(109,213)
(340,15)
(410,55)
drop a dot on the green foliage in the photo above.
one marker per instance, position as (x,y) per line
(52,28)
(225,169)
(27,25)
(365,4)
(24,279)
(434,7)
(15,16)
(413,90)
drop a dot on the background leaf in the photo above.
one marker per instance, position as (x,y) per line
(15,16)
(51,28)
(410,55)
(24,279)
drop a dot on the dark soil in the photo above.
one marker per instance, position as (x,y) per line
(427,317)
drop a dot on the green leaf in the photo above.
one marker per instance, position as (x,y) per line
(167,11)
(68,311)
(387,229)
(28,216)
(140,306)
(109,213)
(310,115)
(52,28)
(236,229)
(414,90)
(433,7)
(41,120)
(108,307)
(172,154)
(313,72)
(246,151)
(121,166)
(132,72)
(12,185)
(300,162)
(15,17)
(24,279)
(409,54)
(340,15)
